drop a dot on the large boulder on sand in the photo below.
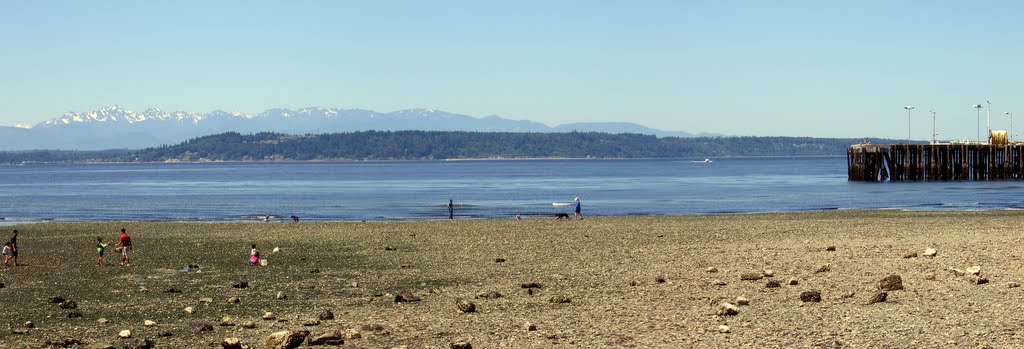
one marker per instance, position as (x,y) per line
(286,339)
(891,283)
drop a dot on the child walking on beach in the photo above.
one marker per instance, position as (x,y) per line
(8,253)
(100,247)
(254,256)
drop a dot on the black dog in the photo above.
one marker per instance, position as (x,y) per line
(561,215)
(295,218)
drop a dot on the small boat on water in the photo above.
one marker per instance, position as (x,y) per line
(561,204)
(706,161)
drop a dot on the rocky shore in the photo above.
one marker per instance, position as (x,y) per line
(834,279)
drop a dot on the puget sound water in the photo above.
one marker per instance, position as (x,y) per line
(417,190)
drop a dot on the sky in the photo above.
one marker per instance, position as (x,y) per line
(764,68)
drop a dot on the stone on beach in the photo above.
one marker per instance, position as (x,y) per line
(406,297)
(810,296)
(269,316)
(332,337)
(740,300)
(878,298)
(125,334)
(891,283)
(465,306)
(727,309)
(930,252)
(824,268)
(325,315)
(772,284)
(286,339)
(231,343)
(751,276)
(281,295)
(724,329)
(149,323)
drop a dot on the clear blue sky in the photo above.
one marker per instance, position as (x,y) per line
(789,68)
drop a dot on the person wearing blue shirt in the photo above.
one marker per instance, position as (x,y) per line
(578,214)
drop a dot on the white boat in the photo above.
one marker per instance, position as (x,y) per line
(561,204)
(706,161)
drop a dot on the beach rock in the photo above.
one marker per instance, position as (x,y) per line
(727,309)
(711,270)
(499,260)
(332,337)
(231,343)
(406,297)
(249,324)
(719,283)
(172,290)
(660,279)
(311,322)
(125,334)
(281,295)
(1012,284)
(68,305)
(768,273)
(227,321)
(29,324)
(102,321)
(810,296)
(910,255)
(975,270)
(751,276)
(824,268)
(891,283)
(772,284)
(268,316)
(930,252)
(793,282)
(531,326)
(724,329)
(532,285)
(461,345)
(830,248)
(286,339)
(234,300)
(276,250)
(465,306)
(241,284)
(878,298)
(325,315)
(489,295)
(149,323)
(560,300)
(166,334)
(353,334)
(189,310)
(57,299)
(206,300)
(143,343)
(201,327)
(353,284)
(389,248)
(74,315)
(740,300)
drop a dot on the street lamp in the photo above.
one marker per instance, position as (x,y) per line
(933,125)
(988,118)
(908,108)
(1009,136)
(978,107)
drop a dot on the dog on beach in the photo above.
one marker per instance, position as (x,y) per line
(559,216)
(295,218)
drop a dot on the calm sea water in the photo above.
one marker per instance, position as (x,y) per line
(421,189)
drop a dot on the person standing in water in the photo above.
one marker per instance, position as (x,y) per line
(451,210)
(578,214)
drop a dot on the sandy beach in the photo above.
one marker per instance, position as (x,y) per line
(645,281)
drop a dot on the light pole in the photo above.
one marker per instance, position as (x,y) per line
(988,119)
(978,107)
(933,125)
(908,108)
(1009,136)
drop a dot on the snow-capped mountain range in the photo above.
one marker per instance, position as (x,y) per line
(116,127)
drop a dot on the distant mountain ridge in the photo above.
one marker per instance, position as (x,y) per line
(116,127)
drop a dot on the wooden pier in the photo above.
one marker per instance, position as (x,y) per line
(935,162)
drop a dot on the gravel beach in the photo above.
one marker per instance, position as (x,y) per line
(643,281)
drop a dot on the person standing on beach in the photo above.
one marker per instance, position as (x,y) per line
(254,256)
(7,253)
(14,247)
(578,214)
(125,243)
(100,247)
(451,210)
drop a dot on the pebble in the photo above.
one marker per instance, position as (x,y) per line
(353,284)
(727,309)
(286,339)
(489,295)
(201,327)
(719,283)
(910,255)
(810,296)
(325,315)
(740,300)
(149,323)
(234,300)
(206,300)
(406,297)
(249,324)
(830,248)
(74,314)
(711,270)
(125,334)
(560,299)
(332,337)
(793,282)
(57,299)
(878,298)
(281,295)
(461,345)
(268,316)
(189,310)
(102,321)
(1012,284)
(465,306)
(978,279)
(241,284)
(975,270)
(499,260)
(772,284)
(891,283)
(929,276)
(353,334)
(227,321)
(68,305)
(531,326)
(532,285)
(930,252)
(29,324)
(768,273)
(660,279)
(231,343)
(824,268)
(724,329)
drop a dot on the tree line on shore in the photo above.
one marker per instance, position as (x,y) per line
(430,145)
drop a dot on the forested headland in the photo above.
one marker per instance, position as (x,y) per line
(430,145)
